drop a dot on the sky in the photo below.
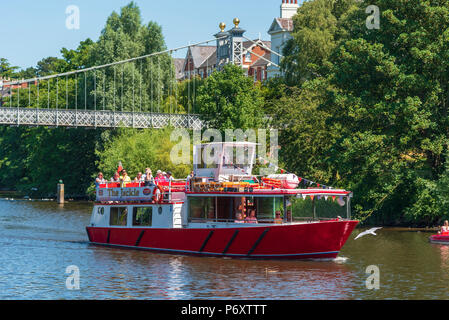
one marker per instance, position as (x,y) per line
(31,30)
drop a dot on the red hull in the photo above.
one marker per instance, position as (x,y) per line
(299,241)
(440,239)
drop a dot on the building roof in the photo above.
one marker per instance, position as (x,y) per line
(179,64)
(201,53)
(248,44)
(281,25)
(211,60)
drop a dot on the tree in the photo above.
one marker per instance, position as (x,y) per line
(6,70)
(383,95)
(139,149)
(389,100)
(135,86)
(228,99)
(318,29)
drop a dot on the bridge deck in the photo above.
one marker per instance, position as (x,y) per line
(96,119)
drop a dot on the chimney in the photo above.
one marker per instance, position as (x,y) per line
(289,8)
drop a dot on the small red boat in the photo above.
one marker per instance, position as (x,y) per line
(442,238)
(205,216)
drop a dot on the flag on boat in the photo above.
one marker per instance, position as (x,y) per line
(120,167)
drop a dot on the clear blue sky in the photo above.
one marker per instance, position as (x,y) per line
(31,30)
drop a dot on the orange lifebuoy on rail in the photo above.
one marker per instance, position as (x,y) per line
(157,194)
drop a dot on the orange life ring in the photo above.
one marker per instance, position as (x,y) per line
(157,196)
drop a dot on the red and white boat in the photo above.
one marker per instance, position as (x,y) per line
(442,238)
(201,217)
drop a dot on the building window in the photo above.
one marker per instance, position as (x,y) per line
(255,74)
(248,57)
(201,73)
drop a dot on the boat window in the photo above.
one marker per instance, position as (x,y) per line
(202,208)
(267,208)
(118,216)
(319,207)
(142,216)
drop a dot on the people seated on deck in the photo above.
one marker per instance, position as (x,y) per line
(444,229)
(239,218)
(252,217)
(278,219)
(168,176)
(148,177)
(116,177)
(139,178)
(125,178)
(160,177)
(100,180)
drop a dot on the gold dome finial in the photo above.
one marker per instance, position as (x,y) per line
(236,22)
(222,26)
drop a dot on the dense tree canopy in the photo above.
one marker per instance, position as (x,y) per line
(229,100)
(384,94)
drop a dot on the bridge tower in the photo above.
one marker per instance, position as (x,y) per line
(230,45)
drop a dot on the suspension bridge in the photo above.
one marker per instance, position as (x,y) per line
(141,92)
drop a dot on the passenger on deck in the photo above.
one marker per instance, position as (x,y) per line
(125,177)
(116,177)
(148,177)
(99,180)
(445,228)
(188,182)
(239,218)
(252,217)
(159,177)
(139,178)
(168,176)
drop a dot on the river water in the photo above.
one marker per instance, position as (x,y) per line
(39,240)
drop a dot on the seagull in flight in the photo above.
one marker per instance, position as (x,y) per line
(370,231)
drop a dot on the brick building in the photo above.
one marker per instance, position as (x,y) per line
(255,57)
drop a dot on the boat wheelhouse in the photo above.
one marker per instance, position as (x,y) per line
(224,211)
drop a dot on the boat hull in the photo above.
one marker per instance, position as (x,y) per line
(317,240)
(439,239)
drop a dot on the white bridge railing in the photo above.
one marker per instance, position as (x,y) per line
(96,119)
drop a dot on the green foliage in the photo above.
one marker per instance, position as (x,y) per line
(137,150)
(142,85)
(380,97)
(229,100)
(6,70)
(33,160)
